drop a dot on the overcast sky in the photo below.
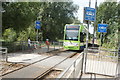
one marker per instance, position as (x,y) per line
(85,3)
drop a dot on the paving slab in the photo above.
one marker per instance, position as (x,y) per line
(27,58)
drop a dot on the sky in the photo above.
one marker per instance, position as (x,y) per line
(85,3)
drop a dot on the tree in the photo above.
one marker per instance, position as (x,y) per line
(54,18)
(108,12)
(9,35)
(19,15)
(52,15)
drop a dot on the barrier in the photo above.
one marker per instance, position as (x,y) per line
(74,70)
(102,62)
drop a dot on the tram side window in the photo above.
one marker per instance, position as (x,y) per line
(81,37)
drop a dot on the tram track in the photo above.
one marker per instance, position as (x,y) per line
(43,74)
(31,63)
(47,70)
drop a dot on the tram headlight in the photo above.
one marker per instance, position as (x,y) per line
(66,43)
(76,44)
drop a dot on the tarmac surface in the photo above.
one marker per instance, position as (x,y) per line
(38,68)
(29,53)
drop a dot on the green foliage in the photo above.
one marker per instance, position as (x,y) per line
(108,12)
(53,16)
(29,32)
(9,35)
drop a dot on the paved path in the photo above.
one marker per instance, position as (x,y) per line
(38,68)
(17,54)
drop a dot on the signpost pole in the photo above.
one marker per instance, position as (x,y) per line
(101,39)
(102,28)
(37,36)
(87,36)
(94,23)
(101,36)
(37,26)
(88,29)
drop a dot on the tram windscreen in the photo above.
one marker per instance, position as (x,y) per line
(72,32)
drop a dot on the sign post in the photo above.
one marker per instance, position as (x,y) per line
(37,26)
(102,28)
(94,24)
(89,15)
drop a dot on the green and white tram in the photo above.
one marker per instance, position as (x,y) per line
(74,37)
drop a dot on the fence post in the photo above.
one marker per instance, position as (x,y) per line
(85,58)
(59,45)
(6,55)
(54,45)
(22,45)
(74,70)
(13,45)
(39,44)
(82,63)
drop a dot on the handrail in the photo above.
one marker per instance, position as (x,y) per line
(103,50)
(61,75)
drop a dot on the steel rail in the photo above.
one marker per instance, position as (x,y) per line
(31,63)
(43,74)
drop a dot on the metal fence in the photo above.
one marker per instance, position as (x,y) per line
(102,61)
(15,49)
(23,45)
(74,70)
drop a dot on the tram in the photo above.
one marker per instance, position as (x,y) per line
(74,36)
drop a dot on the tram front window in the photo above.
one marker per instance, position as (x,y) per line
(72,35)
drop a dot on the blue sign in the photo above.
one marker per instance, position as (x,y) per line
(102,28)
(89,14)
(37,26)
